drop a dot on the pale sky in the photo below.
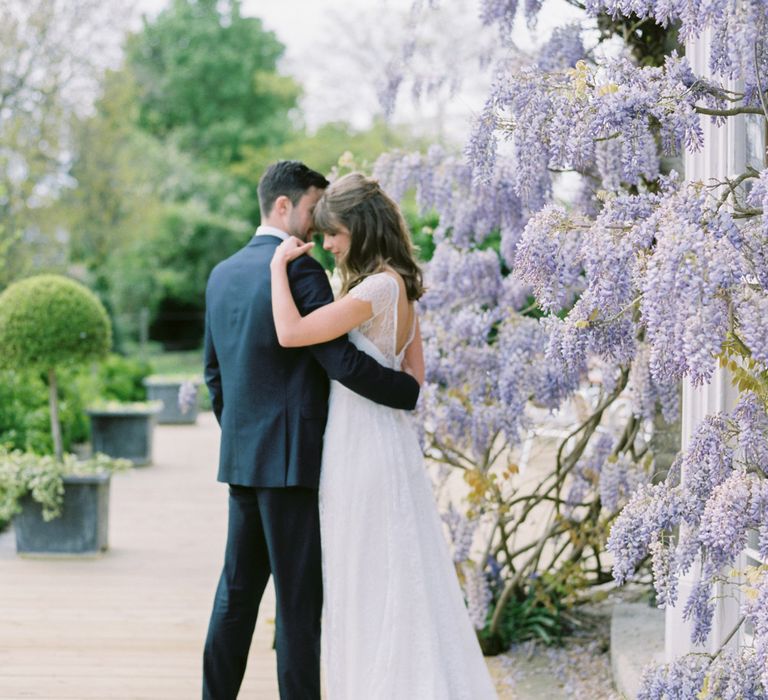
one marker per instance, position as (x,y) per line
(337,48)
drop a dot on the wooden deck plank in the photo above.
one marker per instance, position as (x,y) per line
(131,624)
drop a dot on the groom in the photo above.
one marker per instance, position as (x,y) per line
(271,403)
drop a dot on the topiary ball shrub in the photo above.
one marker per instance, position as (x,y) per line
(49,321)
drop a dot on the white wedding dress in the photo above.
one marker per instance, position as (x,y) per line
(395,626)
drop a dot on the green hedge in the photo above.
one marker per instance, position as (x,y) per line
(122,378)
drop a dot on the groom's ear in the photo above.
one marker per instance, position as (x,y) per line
(282,205)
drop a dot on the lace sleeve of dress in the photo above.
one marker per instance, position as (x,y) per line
(380,289)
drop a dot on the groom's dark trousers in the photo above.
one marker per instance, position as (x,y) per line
(272,404)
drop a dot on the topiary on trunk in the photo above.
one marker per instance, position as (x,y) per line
(47,322)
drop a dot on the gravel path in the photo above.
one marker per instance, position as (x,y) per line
(578,670)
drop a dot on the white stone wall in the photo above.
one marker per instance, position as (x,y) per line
(723,155)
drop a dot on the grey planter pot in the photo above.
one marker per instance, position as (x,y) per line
(80,530)
(166,390)
(127,434)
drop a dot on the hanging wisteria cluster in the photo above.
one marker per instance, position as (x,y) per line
(461,312)
(606,117)
(669,266)
(470,210)
(614,477)
(648,277)
(739,29)
(700,517)
(486,361)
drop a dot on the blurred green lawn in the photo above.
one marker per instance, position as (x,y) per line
(187,362)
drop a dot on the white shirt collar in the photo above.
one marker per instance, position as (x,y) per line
(271,231)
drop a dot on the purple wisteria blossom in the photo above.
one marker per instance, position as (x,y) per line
(462,532)
(728,677)
(706,464)
(737,27)
(555,120)
(469,208)
(726,519)
(686,284)
(702,512)
(588,470)
(646,393)
(467,277)
(187,397)
(389,86)
(751,418)
(478,594)
(566,354)
(501,12)
(700,609)
(619,478)
(652,509)
(756,609)
(671,254)
(664,579)
(751,312)
(548,258)
(614,476)
(757,235)
(563,50)
(463,401)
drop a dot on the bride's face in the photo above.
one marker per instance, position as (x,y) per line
(338,242)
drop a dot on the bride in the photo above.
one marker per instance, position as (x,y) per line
(395,626)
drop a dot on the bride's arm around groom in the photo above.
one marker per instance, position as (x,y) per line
(340,359)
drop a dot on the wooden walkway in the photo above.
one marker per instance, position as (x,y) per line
(130,624)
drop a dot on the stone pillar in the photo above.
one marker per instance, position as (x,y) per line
(698,402)
(723,155)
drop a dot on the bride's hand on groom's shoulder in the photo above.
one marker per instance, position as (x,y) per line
(290,249)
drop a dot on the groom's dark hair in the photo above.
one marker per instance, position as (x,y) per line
(289,178)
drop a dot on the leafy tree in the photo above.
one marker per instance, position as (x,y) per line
(155,206)
(128,186)
(208,77)
(166,271)
(115,176)
(47,54)
(323,149)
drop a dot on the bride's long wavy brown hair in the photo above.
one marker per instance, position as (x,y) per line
(379,234)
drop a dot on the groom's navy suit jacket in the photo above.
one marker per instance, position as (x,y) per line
(272,402)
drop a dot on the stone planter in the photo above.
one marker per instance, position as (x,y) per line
(124,430)
(166,390)
(81,529)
